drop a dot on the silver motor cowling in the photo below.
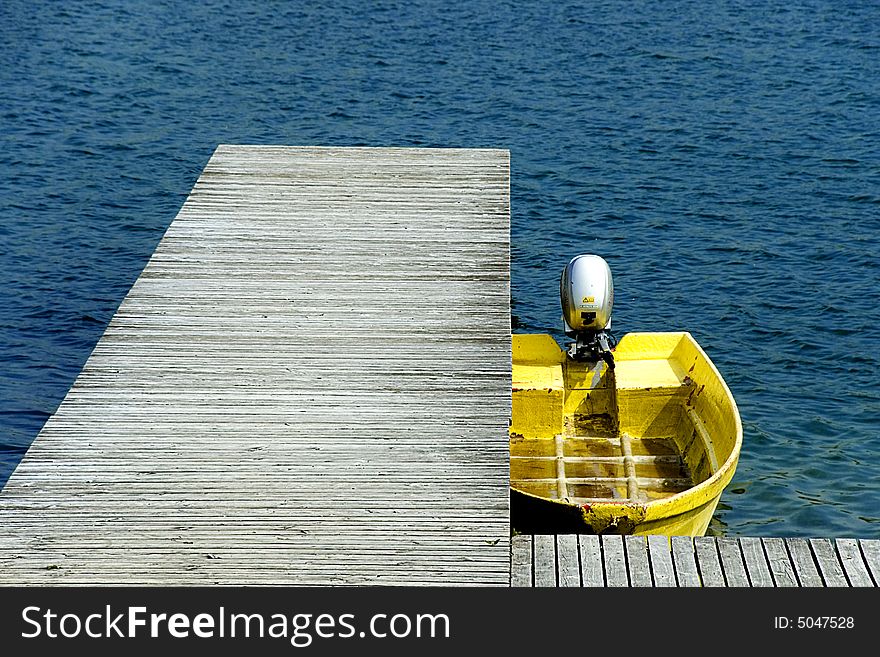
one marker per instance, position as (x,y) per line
(586,291)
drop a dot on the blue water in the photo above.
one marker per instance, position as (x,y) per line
(724,157)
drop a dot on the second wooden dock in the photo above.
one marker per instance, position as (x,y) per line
(570,560)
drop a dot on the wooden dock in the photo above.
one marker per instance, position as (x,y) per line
(570,560)
(308,384)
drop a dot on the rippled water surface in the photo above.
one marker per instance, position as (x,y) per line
(724,157)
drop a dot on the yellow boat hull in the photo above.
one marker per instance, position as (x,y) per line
(645,449)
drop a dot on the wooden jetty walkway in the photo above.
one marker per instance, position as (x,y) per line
(308,384)
(655,561)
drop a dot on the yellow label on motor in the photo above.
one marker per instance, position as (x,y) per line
(589,300)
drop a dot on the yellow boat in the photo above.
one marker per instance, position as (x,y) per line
(643,442)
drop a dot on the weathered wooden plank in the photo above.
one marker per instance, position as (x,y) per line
(755,562)
(521,561)
(684,558)
(708,562)
(661,560)
(637,561)
(568,562)
(781,567)
(804,566)
(732,562)
(826,557)
(853,563)
(614,561)
(274,386)
(592,568)
(544,549)
(871,551)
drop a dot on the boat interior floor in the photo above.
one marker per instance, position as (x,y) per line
(591,463)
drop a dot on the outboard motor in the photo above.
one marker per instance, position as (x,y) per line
(587,295)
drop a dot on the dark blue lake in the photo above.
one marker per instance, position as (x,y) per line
(724,157)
